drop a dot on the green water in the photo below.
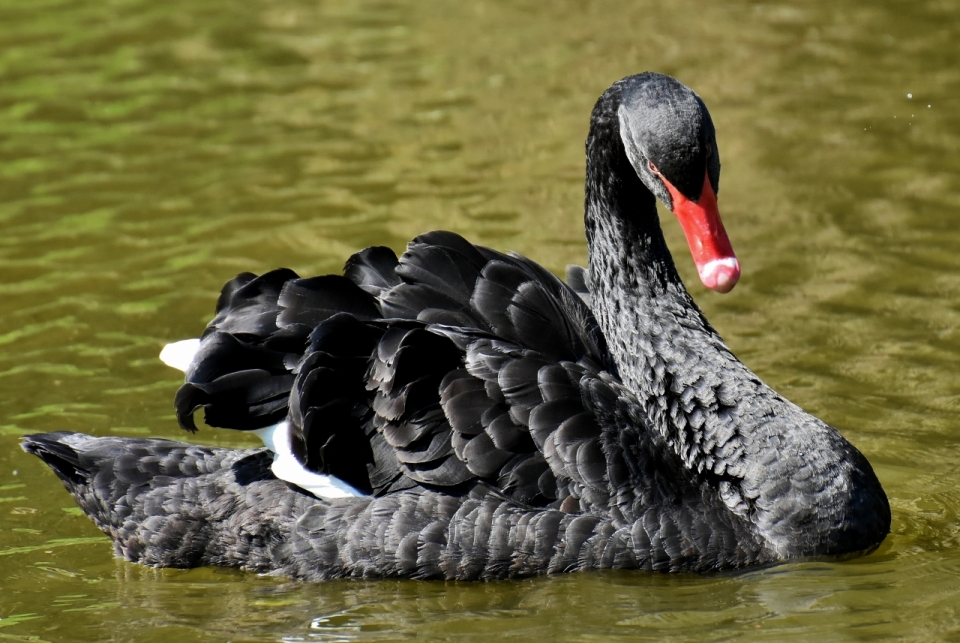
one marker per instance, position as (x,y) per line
(150,151)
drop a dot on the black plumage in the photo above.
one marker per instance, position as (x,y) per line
(500,422)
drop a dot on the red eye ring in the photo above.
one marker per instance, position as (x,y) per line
(653,168)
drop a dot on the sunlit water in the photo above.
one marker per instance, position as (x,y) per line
(150,151)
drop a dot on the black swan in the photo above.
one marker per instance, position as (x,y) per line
(461,413)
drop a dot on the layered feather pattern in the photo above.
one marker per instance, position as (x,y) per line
(416,371)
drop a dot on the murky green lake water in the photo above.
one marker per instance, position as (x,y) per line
(150,151)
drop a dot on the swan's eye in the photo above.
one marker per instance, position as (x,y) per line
(653,168)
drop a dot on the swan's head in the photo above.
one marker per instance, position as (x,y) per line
(670,141)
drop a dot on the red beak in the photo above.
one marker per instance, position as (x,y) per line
(716,263)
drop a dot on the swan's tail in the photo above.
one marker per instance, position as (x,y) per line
(54,449)
(172,504)
(78,462)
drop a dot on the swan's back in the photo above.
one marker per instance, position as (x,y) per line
(451,367)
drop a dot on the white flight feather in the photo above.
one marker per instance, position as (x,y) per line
(180,355)
(285,466)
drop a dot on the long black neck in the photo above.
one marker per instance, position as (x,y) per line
(804,488)
(638,296)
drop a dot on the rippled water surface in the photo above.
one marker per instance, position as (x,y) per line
(150,151)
